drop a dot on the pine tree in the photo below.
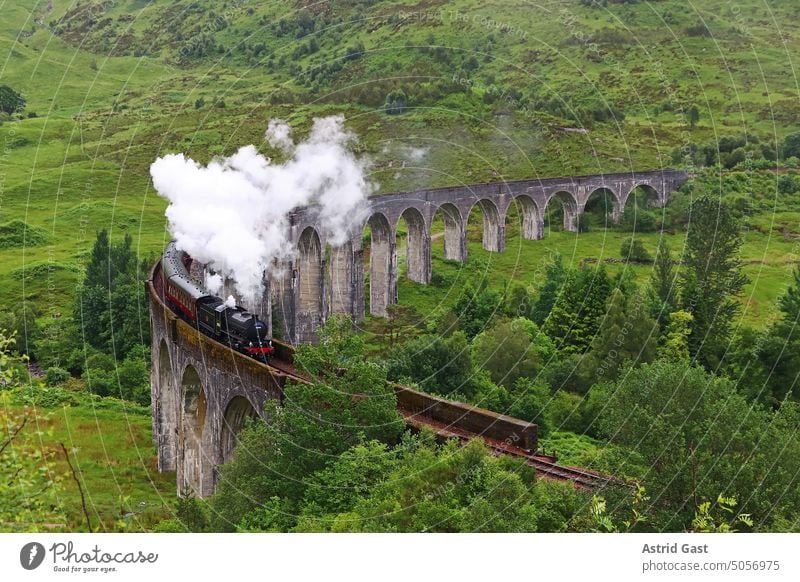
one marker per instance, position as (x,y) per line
(675,343)
(627,335)
(475,308)
(712,278)
(575,317)
(789,302)
(555,276)
(97,271)
(108,303)
(663,284)
(779,352)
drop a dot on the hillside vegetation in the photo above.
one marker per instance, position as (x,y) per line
(439,93)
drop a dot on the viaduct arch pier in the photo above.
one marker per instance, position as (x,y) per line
(324,280)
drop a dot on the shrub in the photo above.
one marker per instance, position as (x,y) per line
(698,30)
(638,220)
(395,102)
(633,250)
(791,146)
(787,184)
(55,376)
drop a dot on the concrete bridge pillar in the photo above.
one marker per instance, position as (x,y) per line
(358,282)
(418,247)
(418,258)
(382,266)
(309,286)
(494,228)
(163,395)
(571,217)
(616,213)
(282,288)
(455,233)
(532,219)
(345,271)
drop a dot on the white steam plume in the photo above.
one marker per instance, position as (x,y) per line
(213,283)
(233,213)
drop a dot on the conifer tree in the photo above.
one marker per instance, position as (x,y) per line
(555,276)
(575,317)
(627,336)
(675,342)
(712,278)
(108,305)
(663,284)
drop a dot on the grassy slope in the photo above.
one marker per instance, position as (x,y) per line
(105,114)
(83,164)
(113,452)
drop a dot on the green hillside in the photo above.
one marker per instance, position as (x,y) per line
(491,92)
(439,93)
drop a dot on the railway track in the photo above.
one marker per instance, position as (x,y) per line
(544,465)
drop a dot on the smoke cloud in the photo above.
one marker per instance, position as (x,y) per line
(233,213)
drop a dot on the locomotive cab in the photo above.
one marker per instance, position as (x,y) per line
(249,333)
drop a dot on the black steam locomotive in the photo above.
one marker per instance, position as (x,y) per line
(234,326)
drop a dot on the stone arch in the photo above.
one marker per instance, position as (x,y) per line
(569,208)
(165,408)
(455,236)
(382,265)
(237,412)
(340,278)
(310,282)
(605,202)
(493,239)
(646,193)
(418,246)
(637,206)
(530,219)
(193,419)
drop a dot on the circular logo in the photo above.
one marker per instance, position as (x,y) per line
(31,555)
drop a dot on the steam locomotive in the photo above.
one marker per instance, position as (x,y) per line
(233,326)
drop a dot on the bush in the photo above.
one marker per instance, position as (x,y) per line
(44,397)
(787,184)
(633,250)
(134,376)
(638,220)
(698,30)
(10,100)
(354,52)
(395,102)
(55,376)
(791,146)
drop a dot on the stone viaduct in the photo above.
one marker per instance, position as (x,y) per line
(202,392)
(325,280)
